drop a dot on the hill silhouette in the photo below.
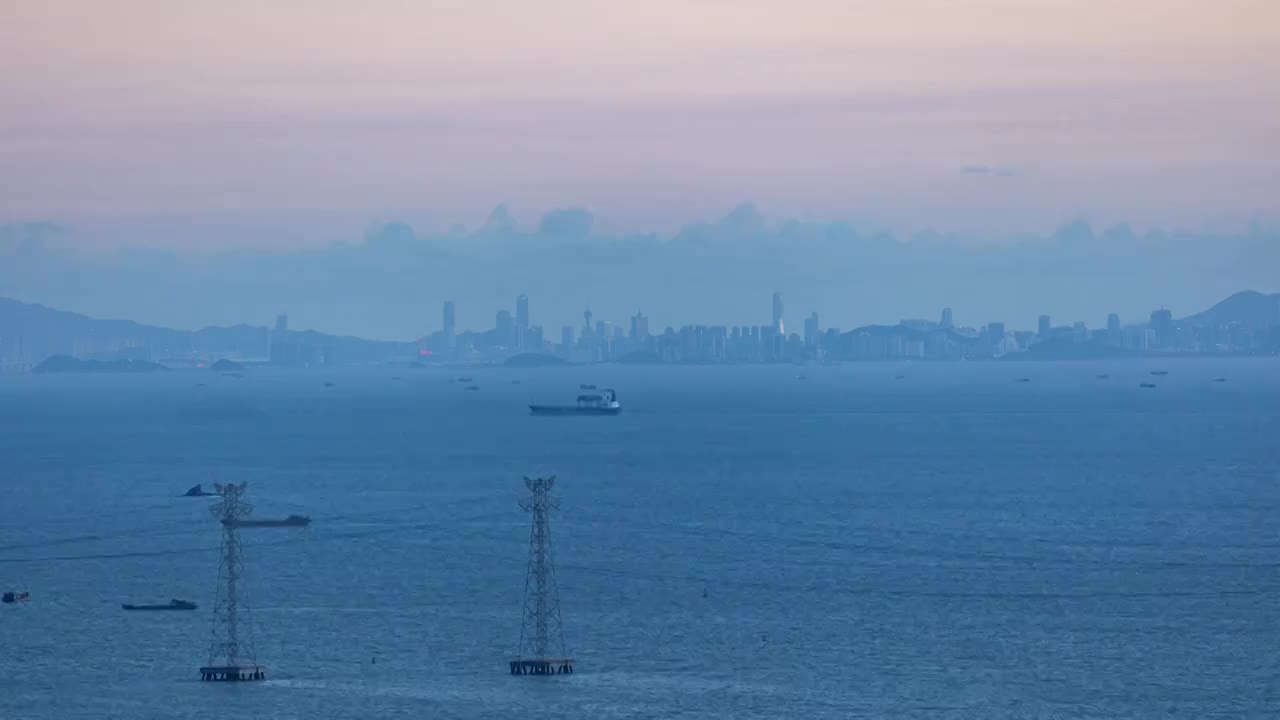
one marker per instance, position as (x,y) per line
(1249,308)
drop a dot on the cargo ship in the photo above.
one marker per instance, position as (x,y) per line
(606,403)
(291,521)
(174,604)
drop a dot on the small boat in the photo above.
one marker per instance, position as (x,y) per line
(328,384)
(1024,380)
(586,387)
(464,379)
(605,403)
(1219,379)
(1159,372)
(11,597)
(174,604)
(291,521)
(515,382)
(1103,377)
(899,377)
(197,491)
(1147,385)
(471,387)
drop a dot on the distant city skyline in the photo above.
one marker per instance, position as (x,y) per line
(377,285)
(1246,323)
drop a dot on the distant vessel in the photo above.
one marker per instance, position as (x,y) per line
(10,597)
(174,604)
(606,403)
(1024,379)
(586,387)
(291,521)
(1103,377)
(1159,372)
(471,387)
(1219,379)
(1147,385)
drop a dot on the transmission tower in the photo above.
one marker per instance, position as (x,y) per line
(541,634)
(231,651)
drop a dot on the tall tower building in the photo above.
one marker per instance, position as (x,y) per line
(522,312)
(947,321)
(1162,324)
(1113,323)
(450,326)
(505,328)
(777,313)
(811,331)
(639,327)
(1045,326)
(282,324)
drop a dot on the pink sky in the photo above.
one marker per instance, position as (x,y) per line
(1154,111)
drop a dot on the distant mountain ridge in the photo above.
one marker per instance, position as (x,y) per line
(36,332)
(1249,308)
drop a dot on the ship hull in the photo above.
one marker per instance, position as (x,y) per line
(571,410)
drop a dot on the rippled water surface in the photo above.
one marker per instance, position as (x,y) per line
(742,542)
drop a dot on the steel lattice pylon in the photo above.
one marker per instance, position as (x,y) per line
(542,648)
(231,647)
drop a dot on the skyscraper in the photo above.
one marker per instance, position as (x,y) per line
(522,312)
(1113,323)
(282,324)
(947,321)
(995,333)
(811,331)
(1045,326)
(1162,324)
(566,340)
(777,313)
(505,328)
(450,327)
(639,327)
(449,319)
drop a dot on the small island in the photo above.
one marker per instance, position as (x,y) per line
(68,364)
(225,365)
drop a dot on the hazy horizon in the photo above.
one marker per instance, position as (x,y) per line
(389,282)
(211,164)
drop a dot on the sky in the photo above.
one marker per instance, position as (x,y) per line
(298,123)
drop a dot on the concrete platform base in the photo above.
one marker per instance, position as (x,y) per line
(542,666)
(234,673)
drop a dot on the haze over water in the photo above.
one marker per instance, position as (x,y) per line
(951,544)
